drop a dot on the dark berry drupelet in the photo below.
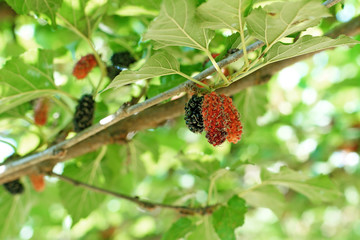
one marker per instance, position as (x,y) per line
(14,187)
(113,71)
(216,137)
(193,117)
(122,59)
(84,113)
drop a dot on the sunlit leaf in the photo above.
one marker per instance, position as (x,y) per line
(21,82)
(79,201)
(277,20)
(140,8)
(304,45)
(13,211)
(317,189)
(268,197)
(229,217)
(47,7)
(160,64)
(179,229)
(74,16)
(224,13)
(177,26)
(203,231)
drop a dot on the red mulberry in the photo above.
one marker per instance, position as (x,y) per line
(214,119)
(221,119)
(84,66)
(41,109)
(84,113)
(38,182)
(193,115)
(232,116)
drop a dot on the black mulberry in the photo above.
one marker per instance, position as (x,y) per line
(193,117)
(14,187)
(84,113)
(122,59)
(113,71)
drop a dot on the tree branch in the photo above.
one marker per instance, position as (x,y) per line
(143,204)
(149,116)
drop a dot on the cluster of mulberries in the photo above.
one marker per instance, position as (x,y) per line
(84,66)
(119,60)
(217,115)
(193,116)
(84,113)
(41,109)
(14,187)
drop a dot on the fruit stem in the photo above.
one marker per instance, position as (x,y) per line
(216,66)
(243,42)
(194,80)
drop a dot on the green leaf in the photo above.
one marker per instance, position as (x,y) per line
(251,103)
(179,229)
(47,7)
(160,64)
(219,14)
(21,82)
(201,169)
(140,8)
(203,231)
(76,18)
(304,45)
(49,39)
(79,201)
(317,189)
(13,212)
(277,20)
(177,26)
(227,218)
(268,197)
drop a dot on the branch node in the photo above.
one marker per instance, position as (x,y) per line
(59,153)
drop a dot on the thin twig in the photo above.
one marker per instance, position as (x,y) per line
(330,3)
(143,204)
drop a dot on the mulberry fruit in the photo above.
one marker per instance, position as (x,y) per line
(122,59)
(84,113)
(232,116)
(113,71)
(84,66)
(214,119)
(38,182)
(216,137)
(193,116)
(14,187)
(41,109)
(221,119)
